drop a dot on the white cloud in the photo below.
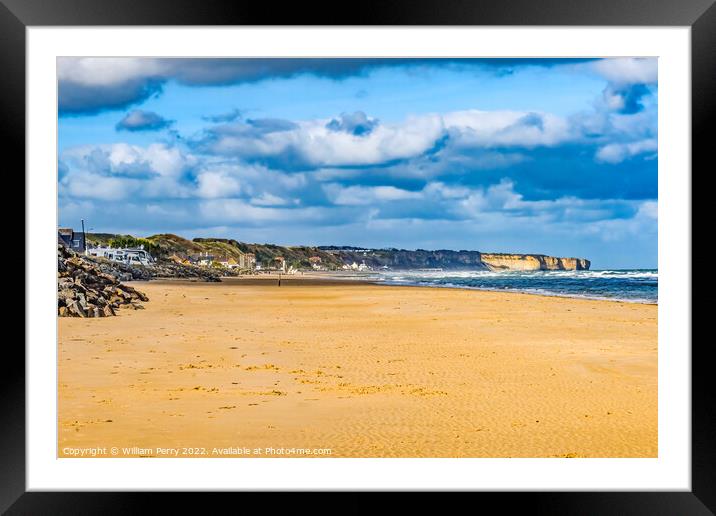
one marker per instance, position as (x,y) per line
(74,210)
(643,222)
(168,160)
(480,204)
(232,211)
(312,144)
(315,145)
(159,171)
(217,184)
(501,198)
(649,210)
(613,100)
(268,199)
(105,71)
(617,152)
(366,195)
(120,171)
(83,185)
(628,70)
(125,159)
(441,190)
(475,128)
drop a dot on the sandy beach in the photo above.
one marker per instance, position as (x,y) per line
(245,368)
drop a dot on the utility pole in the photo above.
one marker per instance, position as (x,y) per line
(84,236)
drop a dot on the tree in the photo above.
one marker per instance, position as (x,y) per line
(130,241)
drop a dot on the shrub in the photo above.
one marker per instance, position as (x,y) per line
(130,241)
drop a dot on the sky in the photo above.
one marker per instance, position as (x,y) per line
(549,156)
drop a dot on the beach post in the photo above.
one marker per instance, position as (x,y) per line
(279,279)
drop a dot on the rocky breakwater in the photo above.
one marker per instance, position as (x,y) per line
(168,268)
(161,269)
(533,262)
(84,290)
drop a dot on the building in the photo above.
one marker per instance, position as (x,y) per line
(315,262)
(203,259)
(356,267)
(239,261)
(280,263)
(69,238)
(246,261)
(229,263)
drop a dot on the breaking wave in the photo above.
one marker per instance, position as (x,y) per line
(634,285)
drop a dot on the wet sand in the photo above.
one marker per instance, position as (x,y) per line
(245,368)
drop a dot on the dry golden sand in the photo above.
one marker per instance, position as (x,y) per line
(364,370)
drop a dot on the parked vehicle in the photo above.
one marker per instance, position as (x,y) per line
(127,256)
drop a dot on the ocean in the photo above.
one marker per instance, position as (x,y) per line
(633,285)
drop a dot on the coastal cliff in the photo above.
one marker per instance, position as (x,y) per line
(533,262)
(445,259)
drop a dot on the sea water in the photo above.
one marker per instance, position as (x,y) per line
(632,285)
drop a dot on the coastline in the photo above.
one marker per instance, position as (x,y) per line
(328,278)
(365,370)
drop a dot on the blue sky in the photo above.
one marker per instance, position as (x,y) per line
(554,156)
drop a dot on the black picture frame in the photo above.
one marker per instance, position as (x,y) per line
(700,15)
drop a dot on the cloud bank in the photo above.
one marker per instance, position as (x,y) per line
(92,85)
(529,180)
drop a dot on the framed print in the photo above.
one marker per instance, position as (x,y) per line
(418,249)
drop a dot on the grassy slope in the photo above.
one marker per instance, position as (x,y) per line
(266,253)
(298,256)
(101,239)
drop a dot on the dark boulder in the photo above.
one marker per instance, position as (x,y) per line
(86,289)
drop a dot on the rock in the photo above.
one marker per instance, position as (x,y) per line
(88,289)
(75,310)
(163,268)
(91,286)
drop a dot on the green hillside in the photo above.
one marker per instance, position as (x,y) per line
(331,257)
(166,244)
(266,254)
(102,239)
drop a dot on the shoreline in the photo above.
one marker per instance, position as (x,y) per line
(363,370)
(317,279)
